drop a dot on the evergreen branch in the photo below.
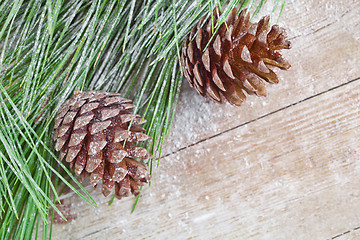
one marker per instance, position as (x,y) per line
(50,48)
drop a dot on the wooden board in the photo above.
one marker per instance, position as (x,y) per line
(282,167)
(325,54)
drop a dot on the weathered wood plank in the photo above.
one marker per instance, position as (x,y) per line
(289,172)
(291,175)
(325,54)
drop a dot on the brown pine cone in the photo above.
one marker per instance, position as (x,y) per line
(92,134)
(238,58)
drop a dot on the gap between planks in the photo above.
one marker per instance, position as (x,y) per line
(266,115)
(274,203)
(325,54)
(261,117)
(306,30)
(341,235)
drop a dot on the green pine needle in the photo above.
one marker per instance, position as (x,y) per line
(49,48)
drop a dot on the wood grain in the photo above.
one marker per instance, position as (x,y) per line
(325,54)
(282,167)
(295,181)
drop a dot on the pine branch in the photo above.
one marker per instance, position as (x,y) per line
(51,48)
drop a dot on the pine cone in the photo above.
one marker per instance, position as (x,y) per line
(238,58)
(92,133)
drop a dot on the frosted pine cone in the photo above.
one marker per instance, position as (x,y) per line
(237,60)
(92,134)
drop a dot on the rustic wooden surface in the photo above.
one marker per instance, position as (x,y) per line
(282,167)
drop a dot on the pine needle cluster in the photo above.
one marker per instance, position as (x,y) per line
(49,48)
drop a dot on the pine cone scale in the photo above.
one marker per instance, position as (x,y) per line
(217,80)
(89,107)
(123,188)
(80,162)
(82,121)
(120,171)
